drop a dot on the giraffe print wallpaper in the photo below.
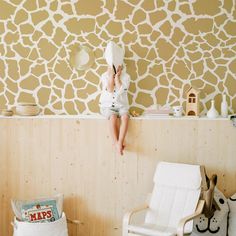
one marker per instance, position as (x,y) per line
(169,45)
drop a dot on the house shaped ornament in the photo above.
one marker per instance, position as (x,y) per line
(192,103)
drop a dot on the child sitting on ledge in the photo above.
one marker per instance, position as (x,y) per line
(114,98)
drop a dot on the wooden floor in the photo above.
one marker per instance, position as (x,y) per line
(42,157)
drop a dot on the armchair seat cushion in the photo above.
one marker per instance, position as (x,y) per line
(152,230)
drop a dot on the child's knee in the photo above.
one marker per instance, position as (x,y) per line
(113,118)
(125,117)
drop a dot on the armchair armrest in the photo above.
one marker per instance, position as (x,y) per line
(127,216)
(200,206)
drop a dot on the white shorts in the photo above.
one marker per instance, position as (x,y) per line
(108,111)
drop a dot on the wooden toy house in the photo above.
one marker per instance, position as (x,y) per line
(192,104)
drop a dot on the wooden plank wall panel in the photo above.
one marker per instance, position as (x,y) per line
(42,157)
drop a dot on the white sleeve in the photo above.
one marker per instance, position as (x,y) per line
(125,80)
(104,81)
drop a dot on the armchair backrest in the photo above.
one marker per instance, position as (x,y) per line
(176,192)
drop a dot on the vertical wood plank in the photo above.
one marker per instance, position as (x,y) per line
(43,157)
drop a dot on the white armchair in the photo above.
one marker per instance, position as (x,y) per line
(174,202)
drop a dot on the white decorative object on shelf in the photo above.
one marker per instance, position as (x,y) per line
(224,107)
(177,111)
(212,113)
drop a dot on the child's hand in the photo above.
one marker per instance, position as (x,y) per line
(117,76)
(119,70)
(110,73)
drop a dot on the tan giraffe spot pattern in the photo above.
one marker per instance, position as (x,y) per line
(169,46)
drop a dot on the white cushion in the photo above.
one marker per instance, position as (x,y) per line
(175,195)
(178,175)
(169,205)
(152,230)
(58,228)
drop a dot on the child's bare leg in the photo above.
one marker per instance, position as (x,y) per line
(123,131)
(118,127)
(113,128)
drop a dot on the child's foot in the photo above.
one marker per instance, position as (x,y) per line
(119,148)
(123,147)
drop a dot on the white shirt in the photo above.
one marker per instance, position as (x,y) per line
(119,97)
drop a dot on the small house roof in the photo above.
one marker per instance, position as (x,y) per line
(196,90)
